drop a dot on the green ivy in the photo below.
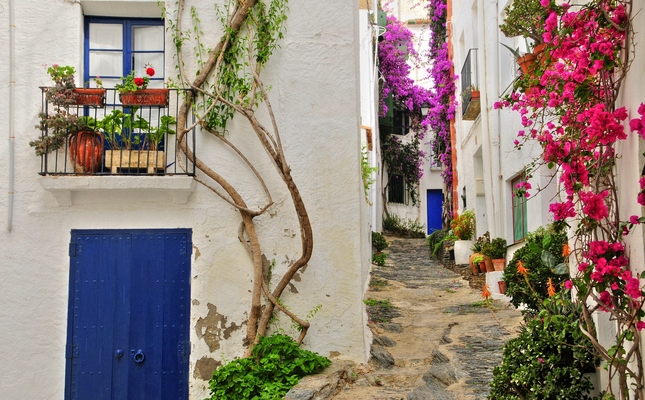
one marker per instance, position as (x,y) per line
(542,257)
(275,366)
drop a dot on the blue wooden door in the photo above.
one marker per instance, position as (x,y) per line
(434,206)
(128,323)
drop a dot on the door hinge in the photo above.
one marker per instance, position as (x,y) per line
(71,351)
(186,248)
(183,348)
(72,249)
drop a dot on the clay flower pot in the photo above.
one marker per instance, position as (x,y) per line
(499,264)
(502,287)
(86,151)
(489,264)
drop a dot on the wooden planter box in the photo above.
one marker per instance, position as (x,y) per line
(89,97)
(153,161)
(145,97)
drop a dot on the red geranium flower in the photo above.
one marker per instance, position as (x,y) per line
(138,81)
(150,71)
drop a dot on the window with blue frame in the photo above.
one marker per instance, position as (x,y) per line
(116,46)
(113,48)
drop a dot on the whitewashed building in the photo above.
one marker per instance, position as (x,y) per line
(59,225)
(488,164)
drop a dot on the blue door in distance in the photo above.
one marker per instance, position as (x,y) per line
(128,323)
(434,206)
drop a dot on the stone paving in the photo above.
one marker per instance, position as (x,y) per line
(434,337)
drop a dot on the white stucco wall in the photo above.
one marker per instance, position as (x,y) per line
(315,95)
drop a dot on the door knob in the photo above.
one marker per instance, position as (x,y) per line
(118,353)
(139,356)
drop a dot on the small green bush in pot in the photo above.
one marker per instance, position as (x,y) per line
(378,242)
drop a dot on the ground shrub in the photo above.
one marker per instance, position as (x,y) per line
(403,227)
(276,365)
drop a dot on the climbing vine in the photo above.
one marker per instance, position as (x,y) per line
(402,159)
(442,97)
(227,85)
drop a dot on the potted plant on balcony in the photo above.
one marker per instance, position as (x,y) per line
(65,93)
(463,227)
(133,142)
(59,127)
(496,251)
(133,91)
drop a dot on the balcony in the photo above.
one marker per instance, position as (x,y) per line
(114,145)
(127,139)
(470,95)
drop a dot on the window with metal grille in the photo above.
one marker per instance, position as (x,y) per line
(520,224)
(396,189)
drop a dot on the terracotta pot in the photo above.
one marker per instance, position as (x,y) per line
(502,287)
(482,267)
(85,151)
(489,264)
(89,97)
(475,94)
(499,264)
(145,97)
(527,63)
(473,266)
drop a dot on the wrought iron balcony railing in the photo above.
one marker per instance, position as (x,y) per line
(107,134)
(470,101)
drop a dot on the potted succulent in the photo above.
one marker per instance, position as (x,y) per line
(60,127)
(496,251)
(133,91)
(463,227)
(65,93)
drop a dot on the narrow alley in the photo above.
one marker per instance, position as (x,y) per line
(434,337)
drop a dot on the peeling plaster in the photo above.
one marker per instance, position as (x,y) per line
(195,302)
(213,328)
(204,368)
(197,253)
(293,288)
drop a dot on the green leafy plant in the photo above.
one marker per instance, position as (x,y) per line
(367,173)
(378,303)
(495,249)
(403,227)
(478,259)
(436,240)
(463,226)
(379,259)
(379,242)
(125,130)
(524,18)
(547,360)
(478,245)
(275,366)
(542,257)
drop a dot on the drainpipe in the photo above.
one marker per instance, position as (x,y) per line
(488,62)
(12,114)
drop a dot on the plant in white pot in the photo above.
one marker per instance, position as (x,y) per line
(463,227)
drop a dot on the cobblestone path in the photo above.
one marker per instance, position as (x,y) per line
(434,338)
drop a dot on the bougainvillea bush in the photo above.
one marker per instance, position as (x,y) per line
(403,159)
(568,106)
